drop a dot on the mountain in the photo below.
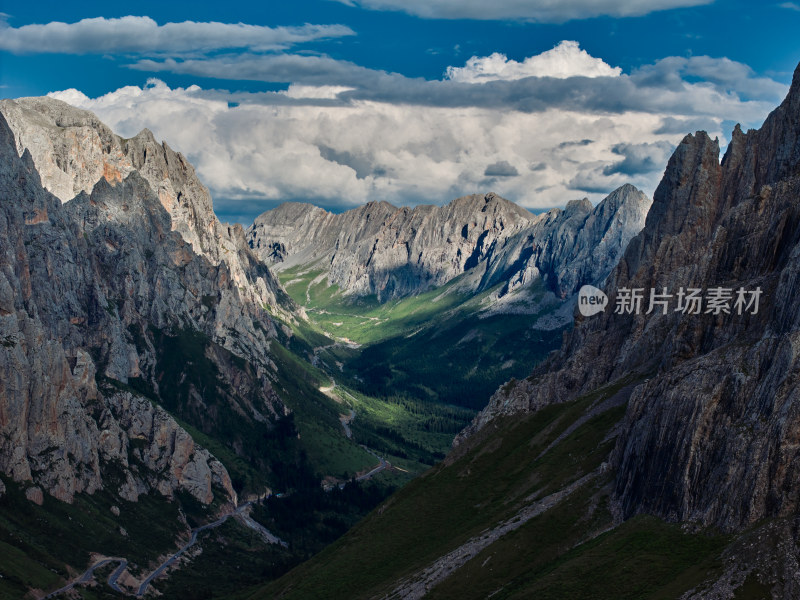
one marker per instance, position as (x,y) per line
(728,225)
(392,253)
(655,454)
(149,372)
(72,150)
(57,309)
(107,277)
(443,304)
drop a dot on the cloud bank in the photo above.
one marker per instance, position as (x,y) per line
(565,60)
(142,35)
(556,126)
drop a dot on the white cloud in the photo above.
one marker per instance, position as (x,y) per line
(323,92)
(142,35)
(542,11)
(342,134)
(723,74)
(565,60)
(790,5)
(346,155)
(679,86)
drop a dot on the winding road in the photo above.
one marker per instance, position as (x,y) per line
(88,575)
(345,420)
(241,512)
(382,464)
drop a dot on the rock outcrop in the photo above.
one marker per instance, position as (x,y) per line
(710,434)
(90,290)
(73,151)
(395,252)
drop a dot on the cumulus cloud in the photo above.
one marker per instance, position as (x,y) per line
(142,35)
(342,134)
(542,11)
(565,60)
(254,156)
(672,86)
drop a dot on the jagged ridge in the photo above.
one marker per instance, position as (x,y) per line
(710,436)
(395,252)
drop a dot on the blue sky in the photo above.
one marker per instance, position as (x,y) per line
(412,105)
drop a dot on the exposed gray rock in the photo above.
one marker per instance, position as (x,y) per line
(169,455)
(73,151)
(82,287)
(395,252)
(710,433)
(35,495)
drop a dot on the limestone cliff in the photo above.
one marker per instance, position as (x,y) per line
(91,292)
(395,252)
(710,434)
(72,151)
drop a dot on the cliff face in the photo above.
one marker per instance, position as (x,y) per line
(379,249)
(73,151)
(91,291)
(710,433)
(572,247)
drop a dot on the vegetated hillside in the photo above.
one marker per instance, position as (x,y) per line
(654,455)
(525,512)
(443,346)
(149,364)
(475,292)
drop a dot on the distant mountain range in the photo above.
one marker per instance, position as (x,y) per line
(378,249)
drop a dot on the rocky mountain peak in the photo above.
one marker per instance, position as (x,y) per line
(575,206)
(58,430)
(709,433)
(391,252)
(73,150)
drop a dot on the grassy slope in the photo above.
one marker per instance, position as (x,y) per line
(412,433)
(436,347)
(232,557)
(434,514)
(317,417)
(408,429)
(37,542)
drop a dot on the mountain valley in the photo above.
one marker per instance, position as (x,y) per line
(652,455)
(393,402)
(185,379)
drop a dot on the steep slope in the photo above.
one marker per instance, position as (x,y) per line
(58,428)
(145,279)
(391,253)
(72,151)
(655,454)
(724,385)
(127,358)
